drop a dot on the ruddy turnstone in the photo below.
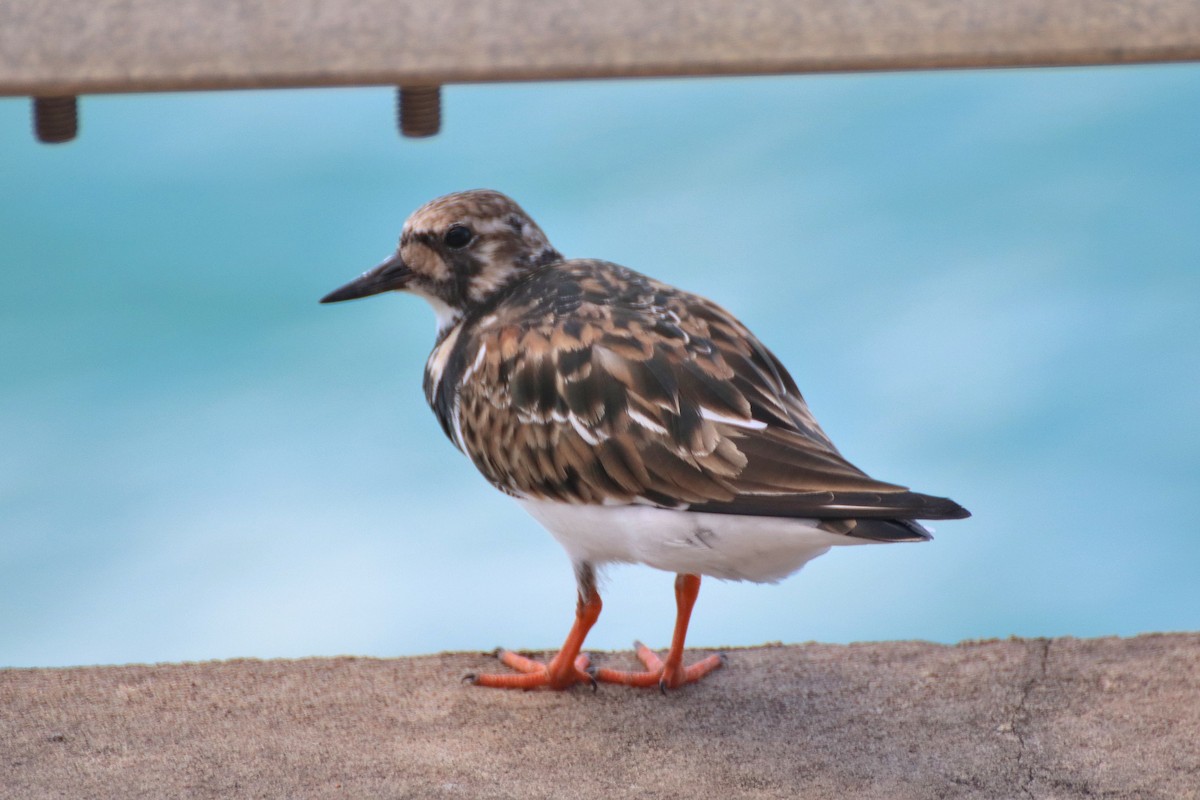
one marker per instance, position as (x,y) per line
(637,422)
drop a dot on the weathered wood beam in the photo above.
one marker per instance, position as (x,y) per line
(72,47)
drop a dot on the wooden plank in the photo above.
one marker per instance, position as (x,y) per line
(91,46)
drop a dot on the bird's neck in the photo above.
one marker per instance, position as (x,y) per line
(448,316)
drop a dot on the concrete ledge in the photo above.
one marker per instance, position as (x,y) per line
(1058,718)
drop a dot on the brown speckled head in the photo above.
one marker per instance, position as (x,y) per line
(457,251)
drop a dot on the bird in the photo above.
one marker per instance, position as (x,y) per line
(635,421)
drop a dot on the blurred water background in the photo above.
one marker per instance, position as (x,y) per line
(986,283)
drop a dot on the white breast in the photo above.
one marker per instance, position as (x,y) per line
(728,546)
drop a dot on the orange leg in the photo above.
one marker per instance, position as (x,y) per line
(566,669)
(669,674)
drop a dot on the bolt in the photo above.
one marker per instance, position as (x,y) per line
(419,110)
(56,119)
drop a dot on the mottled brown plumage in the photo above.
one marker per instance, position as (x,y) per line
(637,421)
(591,383)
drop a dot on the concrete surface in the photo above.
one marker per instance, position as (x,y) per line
(1061,718)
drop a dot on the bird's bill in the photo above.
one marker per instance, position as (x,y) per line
(388,276)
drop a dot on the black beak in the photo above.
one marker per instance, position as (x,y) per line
(390,275)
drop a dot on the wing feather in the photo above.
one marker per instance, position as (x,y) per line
(645,394)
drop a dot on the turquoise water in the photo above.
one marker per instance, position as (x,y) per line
(986,283)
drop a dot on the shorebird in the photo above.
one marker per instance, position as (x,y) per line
(637,422)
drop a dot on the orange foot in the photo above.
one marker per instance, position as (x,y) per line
(566,669)
(669,674)
(560,673)
(570,667)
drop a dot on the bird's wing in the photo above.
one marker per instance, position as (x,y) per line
(597,390)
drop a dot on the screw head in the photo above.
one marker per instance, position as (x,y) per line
(419,110)
(56,119)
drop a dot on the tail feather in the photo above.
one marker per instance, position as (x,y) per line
(890,530)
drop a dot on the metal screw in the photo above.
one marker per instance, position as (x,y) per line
(419,110)
(56,119)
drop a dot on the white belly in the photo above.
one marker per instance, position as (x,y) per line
(740,548)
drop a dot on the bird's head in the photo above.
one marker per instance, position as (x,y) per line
(457,252)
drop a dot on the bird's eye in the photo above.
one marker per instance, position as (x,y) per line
(458,236)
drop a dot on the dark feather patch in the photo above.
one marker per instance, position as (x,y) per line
(571,362)
(584,399)
(547,391)
(712,393)
(603,402)
(840,505)
(662,383)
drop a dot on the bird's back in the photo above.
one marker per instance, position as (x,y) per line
(588,383)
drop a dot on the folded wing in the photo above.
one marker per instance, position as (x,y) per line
(649,395)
